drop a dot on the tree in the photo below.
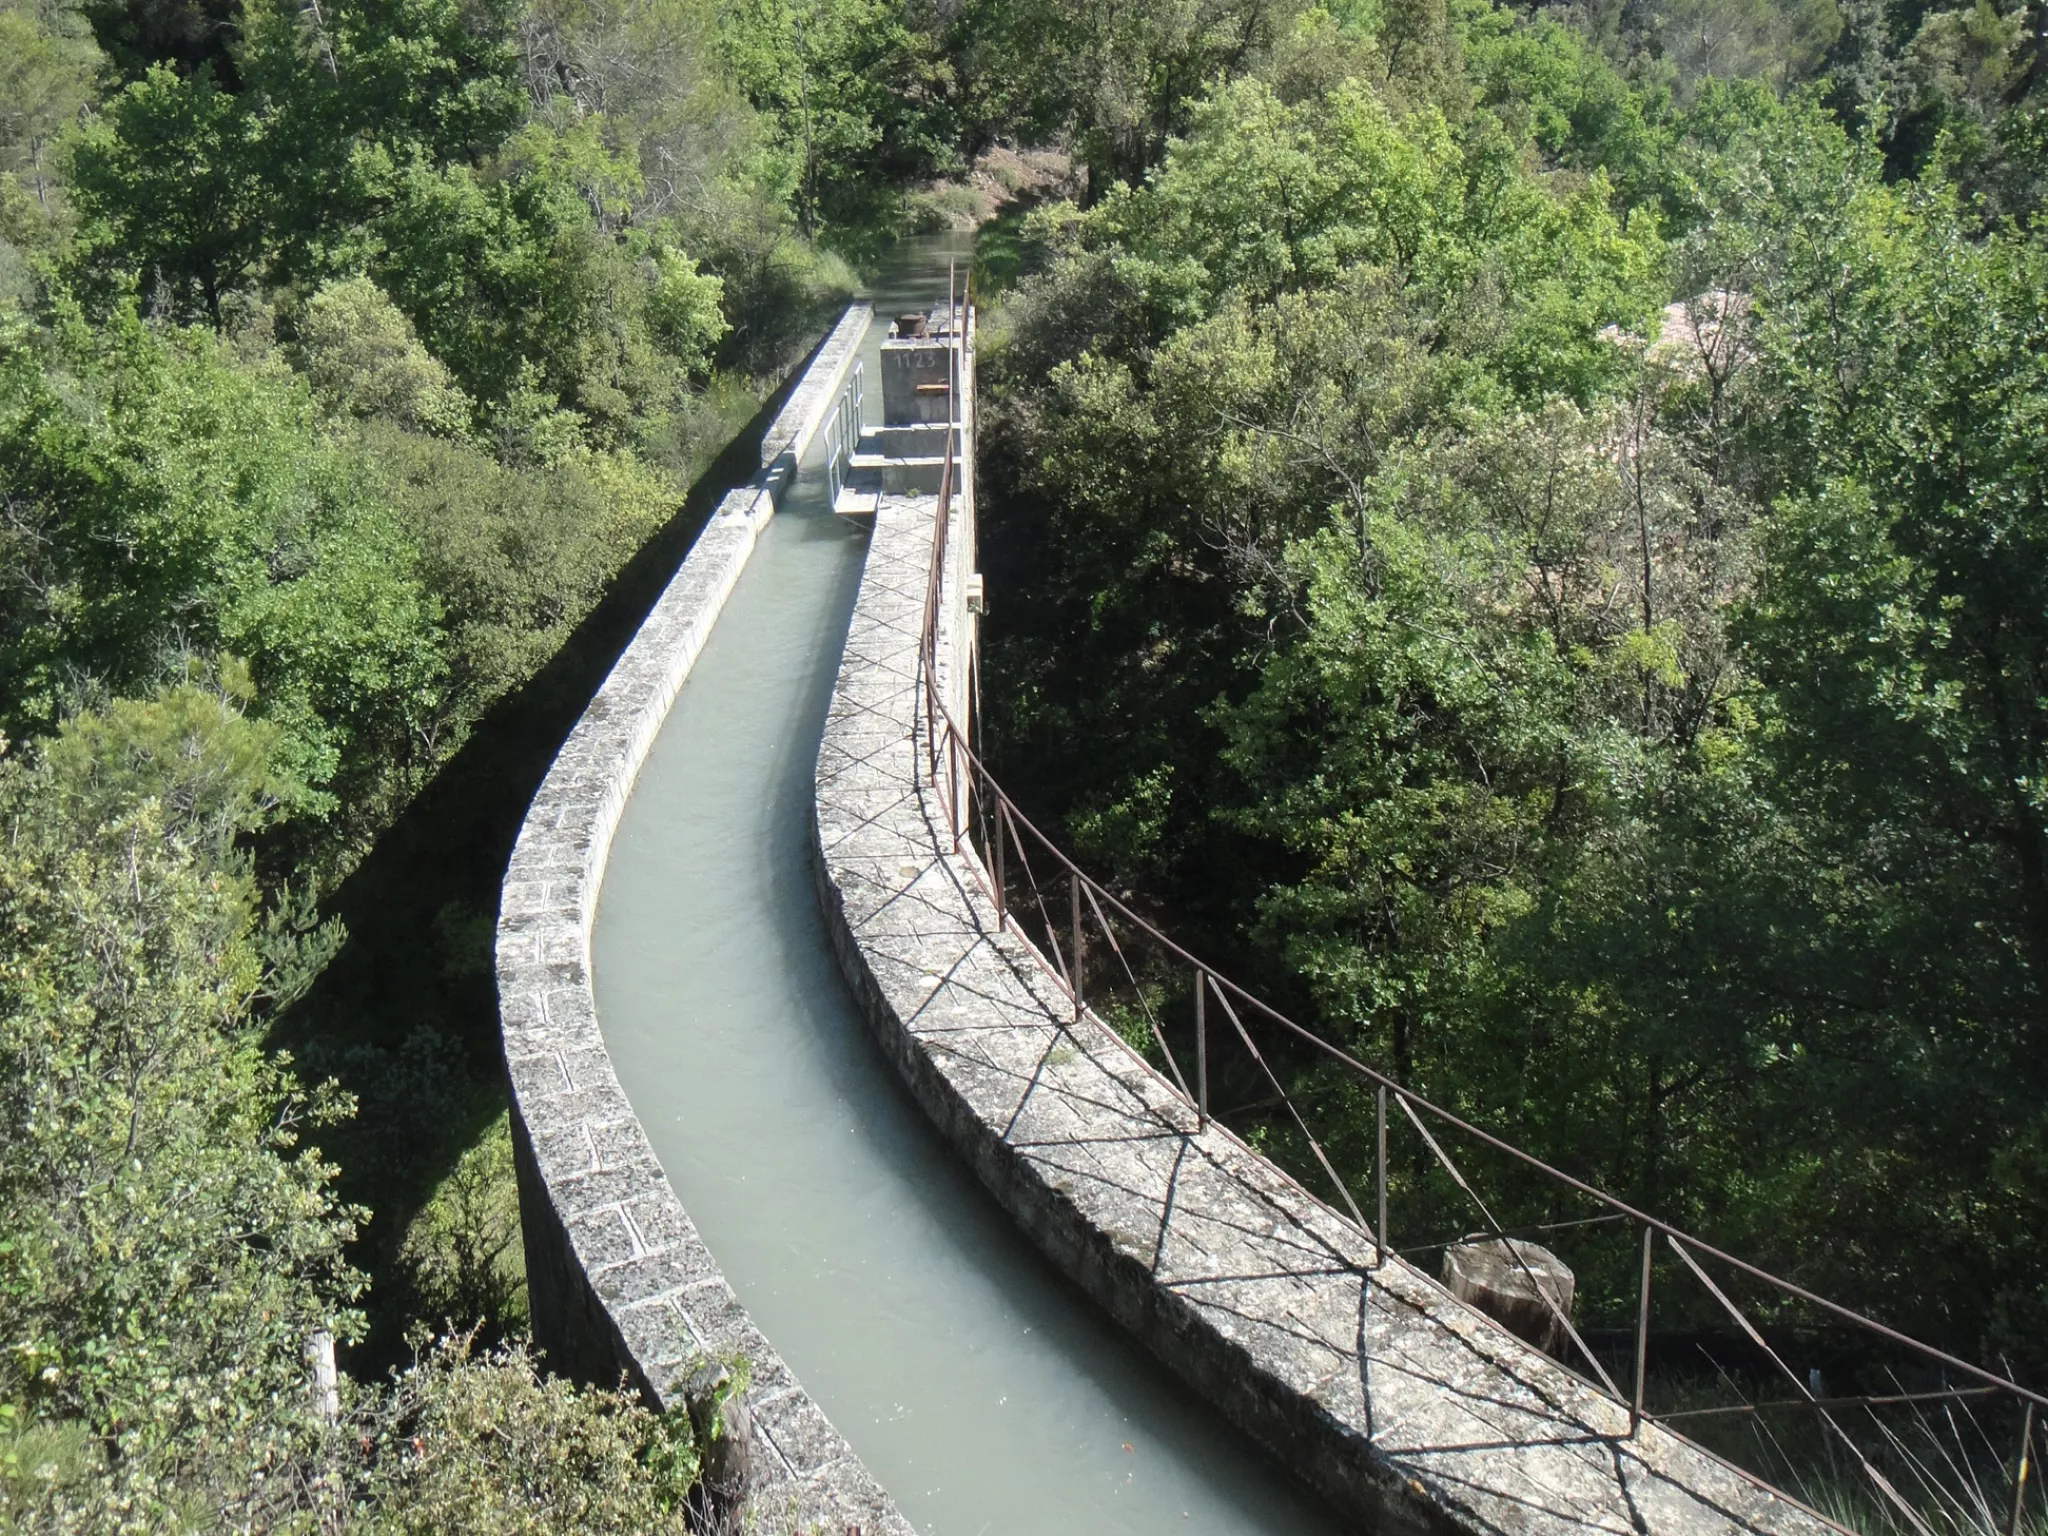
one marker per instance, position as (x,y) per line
(164,501)
(362,359)
(48,71)
(1118,80)
(1744,39)
(169,1249)
(166,182)
(852,89)
(1543,700)
(480,1443)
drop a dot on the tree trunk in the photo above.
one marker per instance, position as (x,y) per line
(725,1447)
(1482,1272)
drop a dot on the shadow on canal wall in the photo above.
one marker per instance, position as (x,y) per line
(405,1014)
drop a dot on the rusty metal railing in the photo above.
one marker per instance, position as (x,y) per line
(996,841)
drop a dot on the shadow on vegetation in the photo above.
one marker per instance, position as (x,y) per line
(405,1015)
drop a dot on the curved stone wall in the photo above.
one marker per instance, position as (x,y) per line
(620,1283)
(1403,1407)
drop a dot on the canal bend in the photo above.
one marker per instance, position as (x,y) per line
(984,1394)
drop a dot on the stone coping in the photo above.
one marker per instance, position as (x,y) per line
(1399,1405)
(621,1285)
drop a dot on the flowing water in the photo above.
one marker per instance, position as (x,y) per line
(985,1394)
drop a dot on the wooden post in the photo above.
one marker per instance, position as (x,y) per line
(326,1378)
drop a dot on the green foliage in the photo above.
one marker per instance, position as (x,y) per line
(710,166)
(1629,732)
(486,1445)
(481,288)
(189,748)
(1628,737)
(361,358)
(48,70)
(169,1246)
(1263,197)
(1116,81)
(461,1254)
(162,182)
(683,308)
(164,500)
(848,84)
(1743,39)
(172,1251)
(1898,630)
(1551,84)
(419,79)
(388,140)
(514,557)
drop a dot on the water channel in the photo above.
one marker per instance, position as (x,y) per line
(988,1398)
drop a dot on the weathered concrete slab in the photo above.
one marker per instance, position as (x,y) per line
(1400,1405)
(621,1284)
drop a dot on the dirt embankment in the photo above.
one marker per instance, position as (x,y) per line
(998,178)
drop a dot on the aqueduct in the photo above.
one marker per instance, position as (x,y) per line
(1398,1405)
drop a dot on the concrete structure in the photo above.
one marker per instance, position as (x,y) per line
(621,1285)
(915,361)
(907,453)
(1405,1408)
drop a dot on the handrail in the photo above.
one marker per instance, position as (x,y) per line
(842,432)
(968,774)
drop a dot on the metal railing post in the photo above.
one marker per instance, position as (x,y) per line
(995,796)
(1379,1230)
(1635,1407)
(953,815)
(1201,1051)
(2019,1480)
(1074,887)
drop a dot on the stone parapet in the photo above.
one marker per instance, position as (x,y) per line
(1402,1407)
(620,1283)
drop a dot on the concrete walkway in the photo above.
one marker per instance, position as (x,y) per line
(1403,1407)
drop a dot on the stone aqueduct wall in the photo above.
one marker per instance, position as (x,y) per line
(621,1284)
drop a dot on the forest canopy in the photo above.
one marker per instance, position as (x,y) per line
(1534,533)
(350,356)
